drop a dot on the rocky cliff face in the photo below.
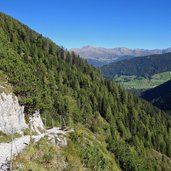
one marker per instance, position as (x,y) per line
(11,114)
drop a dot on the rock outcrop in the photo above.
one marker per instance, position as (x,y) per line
(58,139)
(11,114)
(36,123)
(58,136)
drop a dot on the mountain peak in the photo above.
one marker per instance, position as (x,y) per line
(87,47)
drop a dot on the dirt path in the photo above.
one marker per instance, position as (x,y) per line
(15,147)
(19,144)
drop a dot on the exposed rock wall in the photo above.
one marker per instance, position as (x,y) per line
(11,114)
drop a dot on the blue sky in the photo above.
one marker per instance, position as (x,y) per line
(101,23)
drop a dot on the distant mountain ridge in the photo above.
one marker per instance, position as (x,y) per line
(99,56)
(142,66)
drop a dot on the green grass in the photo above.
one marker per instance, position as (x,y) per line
(4,138)
(161,161)
(92,151)
(40,156)
(84,152)
(134,82)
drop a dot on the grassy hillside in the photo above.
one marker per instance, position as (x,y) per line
(84,152)
(62,85)
(142,83)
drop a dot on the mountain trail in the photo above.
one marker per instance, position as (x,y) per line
(13,148)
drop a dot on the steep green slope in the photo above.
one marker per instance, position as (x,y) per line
(60,84)
(85,151)
(160,96)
